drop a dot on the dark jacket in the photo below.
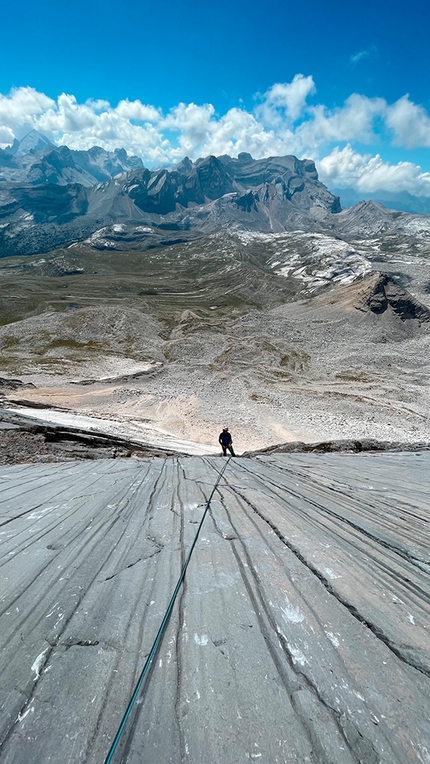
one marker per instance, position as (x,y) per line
(225,438)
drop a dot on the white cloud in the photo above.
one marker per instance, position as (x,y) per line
(6,136)
(98,104)
(286,100)
(409,122)
(354,121)
(361,54)
(282,122)
(22,106)
(364,172)
(201,132)
(111,132)
(138,111)
(358,56)
(194,124)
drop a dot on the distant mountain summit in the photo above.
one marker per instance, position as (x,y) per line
(31,143)
(36,160)
(395,200)
(272,194)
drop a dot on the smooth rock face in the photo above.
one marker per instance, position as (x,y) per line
(301,633)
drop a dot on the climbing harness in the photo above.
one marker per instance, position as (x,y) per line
(160,632)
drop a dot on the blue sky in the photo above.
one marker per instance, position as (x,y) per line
(346,84)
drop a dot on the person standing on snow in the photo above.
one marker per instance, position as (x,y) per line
(226,442)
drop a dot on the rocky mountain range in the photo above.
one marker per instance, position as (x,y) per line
(395,200)
(222,292)
(275,194)
(53,197)
(35,160)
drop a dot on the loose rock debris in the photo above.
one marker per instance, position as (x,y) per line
(300,635)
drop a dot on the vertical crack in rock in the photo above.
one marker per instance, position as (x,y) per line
(259,604)
(179,633)
(321,508)
(114,518)
(377,539)
(376,630)
(127,739)
(405,581)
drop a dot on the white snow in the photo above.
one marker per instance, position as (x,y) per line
(333,638)
(297,655)
(137,431)
(330,573)
(291,613)
(37,665)
(420,224)
(313,258)
(201,640)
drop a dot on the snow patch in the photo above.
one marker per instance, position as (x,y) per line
(315,259)
(330,573)
(333,638)
(37,665)
(201,640)
(291,613)
(297,655)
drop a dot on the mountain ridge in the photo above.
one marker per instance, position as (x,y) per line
(193,199)
(402,201)
(35,160)
(274,194)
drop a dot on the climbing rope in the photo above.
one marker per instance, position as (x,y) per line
(161,630)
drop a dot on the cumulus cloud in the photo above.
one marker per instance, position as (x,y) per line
(286,100)
(137,110)
(354,121)
(22,106)
(364,172)
(6,136)
(131,124)
(284,121)
(409,123)
(194,125)
(202,132)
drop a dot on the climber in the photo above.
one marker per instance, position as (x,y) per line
(226,442)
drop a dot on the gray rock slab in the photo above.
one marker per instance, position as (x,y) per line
(299,635)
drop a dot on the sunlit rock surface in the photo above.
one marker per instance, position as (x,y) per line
(301,634)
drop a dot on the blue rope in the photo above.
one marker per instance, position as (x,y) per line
(160,632)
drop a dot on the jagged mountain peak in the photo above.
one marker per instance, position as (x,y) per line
(30,143)
(36,160)
(271,195)
(186,165)
(272,189)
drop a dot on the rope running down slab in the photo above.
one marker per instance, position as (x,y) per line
(160,632)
